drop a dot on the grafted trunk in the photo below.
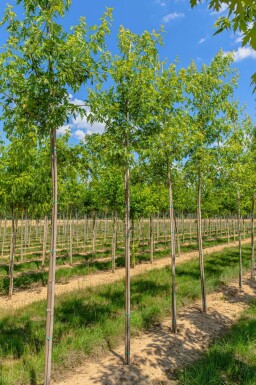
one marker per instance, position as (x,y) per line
(52,264)
(200,243)
(172,229)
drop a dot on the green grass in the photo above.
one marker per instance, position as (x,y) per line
(90,321)
(231,360)
(30,273)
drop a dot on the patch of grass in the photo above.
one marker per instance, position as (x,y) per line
(231,360)
(90,321)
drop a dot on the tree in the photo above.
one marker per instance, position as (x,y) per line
(126,108)
(169,146)
(40,64)
(237,168)
(208,101)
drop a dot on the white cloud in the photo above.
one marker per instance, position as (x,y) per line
(63,130)
(79,134)
(79,125)
(202,40)
(172,16)
(244,53)
(162,3)
(239,39)
(222,9)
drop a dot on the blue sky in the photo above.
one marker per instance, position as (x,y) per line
(189,35)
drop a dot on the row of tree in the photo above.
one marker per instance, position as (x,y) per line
(164,127)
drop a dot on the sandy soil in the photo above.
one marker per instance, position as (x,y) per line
(26,297)
(157,354)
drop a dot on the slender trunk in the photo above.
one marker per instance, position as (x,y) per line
(77,231)
(4,235)
(12,253)
(127,259)
(71,240)
(93,234)
(52,264)
(151,224)
(105,229)
(172,229)
(176,223)
(85,228)
(200,244)
(21,239)
(239,239)
(228,231)
(45,240)
(114,237)
(252,240)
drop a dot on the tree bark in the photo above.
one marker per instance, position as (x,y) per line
(52,264)
(12,253)
(114,243)
(127,259)
(45,240)
(200,243)
(172,229)
(151,224)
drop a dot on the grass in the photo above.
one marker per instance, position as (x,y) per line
(30,274)
(90,321)
(231,360)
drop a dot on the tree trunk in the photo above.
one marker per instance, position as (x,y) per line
(4,235)
(172,229)
(52,264)
(176,223)
(151,224)
(45,240)
(239,239)
(252,240)
(200,244)
(21,239)
(71,230)
(127,260)
(114,243)
(12,253)
(93,234)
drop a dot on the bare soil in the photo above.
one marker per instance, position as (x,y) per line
(157,354)
(26,297)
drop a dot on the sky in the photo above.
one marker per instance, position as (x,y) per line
(189,35)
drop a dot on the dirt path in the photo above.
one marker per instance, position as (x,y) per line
(26,297)
(157,354)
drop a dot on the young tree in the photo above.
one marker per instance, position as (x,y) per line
(169,146)
(126,108)
(208,102)
(40,64)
